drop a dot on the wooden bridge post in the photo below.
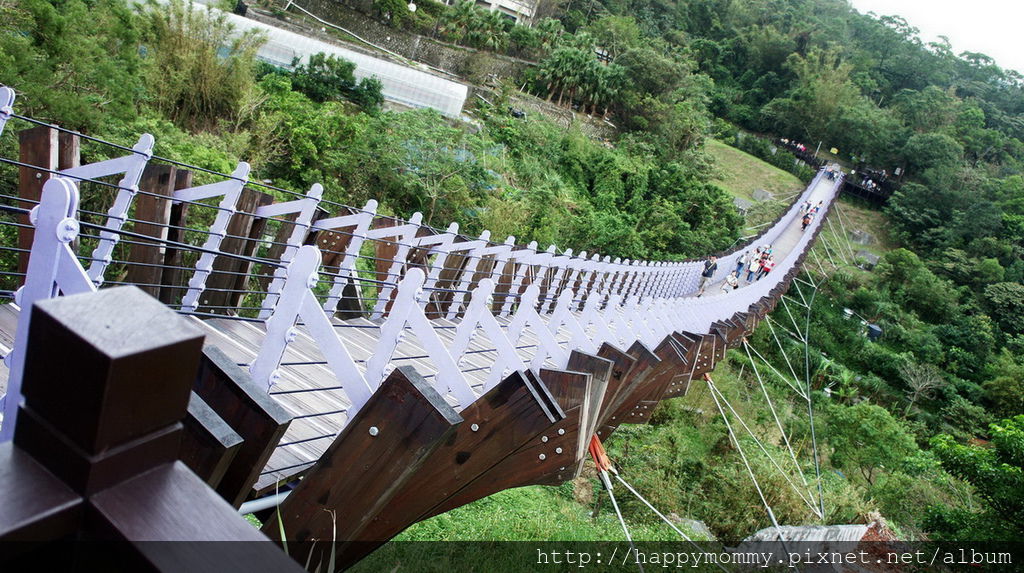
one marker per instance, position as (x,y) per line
(49,150)
(229,277)
(95,456)
(173,274)
(154,207)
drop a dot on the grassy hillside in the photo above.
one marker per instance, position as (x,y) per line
(740,174)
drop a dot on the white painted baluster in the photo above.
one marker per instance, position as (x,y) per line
(231,190)
(440,252)
(563,316)
(131,166)
(502,253)
(6,106)
(52,268)
(306,208)
(522,265)
(347,269)
(474,255)
(407,313)
(299,302)
(562,264)
(404,235)
(478,314)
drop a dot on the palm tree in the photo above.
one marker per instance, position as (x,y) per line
(457,19)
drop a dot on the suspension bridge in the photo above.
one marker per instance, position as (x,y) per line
(362,372)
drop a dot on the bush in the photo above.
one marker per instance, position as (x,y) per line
(195,79)
(326,78)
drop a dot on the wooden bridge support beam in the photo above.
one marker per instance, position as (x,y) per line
(493,428)
(377,456)
(250,412)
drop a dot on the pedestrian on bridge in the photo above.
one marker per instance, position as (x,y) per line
(766,267)
(743,261)
(806,221)
(753,269)
(710,266)
(732,282)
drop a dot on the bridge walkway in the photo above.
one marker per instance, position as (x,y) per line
(518,355)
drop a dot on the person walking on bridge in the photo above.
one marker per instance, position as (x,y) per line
(732,282)
(766,267)
(753,269)
(743,261)
(710,266)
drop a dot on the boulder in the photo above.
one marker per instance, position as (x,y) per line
(869,259)
(861,237)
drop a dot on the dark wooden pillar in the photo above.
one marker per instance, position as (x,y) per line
(49,150)
(173,277)
(230,275)
(153,206)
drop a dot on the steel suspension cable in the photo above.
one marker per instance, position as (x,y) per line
(780,374)
(764,450)
(746,463)
(782,351)
(775,416)
(810,404)
(662,516)
(608,487)
(796,327)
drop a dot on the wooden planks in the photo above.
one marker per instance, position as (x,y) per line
(493,428)
(375,458)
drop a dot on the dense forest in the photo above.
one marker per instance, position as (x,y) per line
(926,425)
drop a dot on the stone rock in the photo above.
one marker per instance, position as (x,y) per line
(762,195)
(696,526)
(742,205)
(861,237)
(870,259)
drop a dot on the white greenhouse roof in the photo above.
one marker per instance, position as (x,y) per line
(401,84)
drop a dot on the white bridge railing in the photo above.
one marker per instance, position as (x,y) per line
(296,272)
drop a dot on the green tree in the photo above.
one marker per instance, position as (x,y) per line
(324,78)
(394,12)
(998,475)
(1004,390)
(930,151)
(616,34)
(73,62)
(1005,302)
(867,438)
(823,89)
(199,71)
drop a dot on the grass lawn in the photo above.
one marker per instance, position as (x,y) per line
(740,174)
(834,244)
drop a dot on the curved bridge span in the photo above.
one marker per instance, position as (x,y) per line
(399,370)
